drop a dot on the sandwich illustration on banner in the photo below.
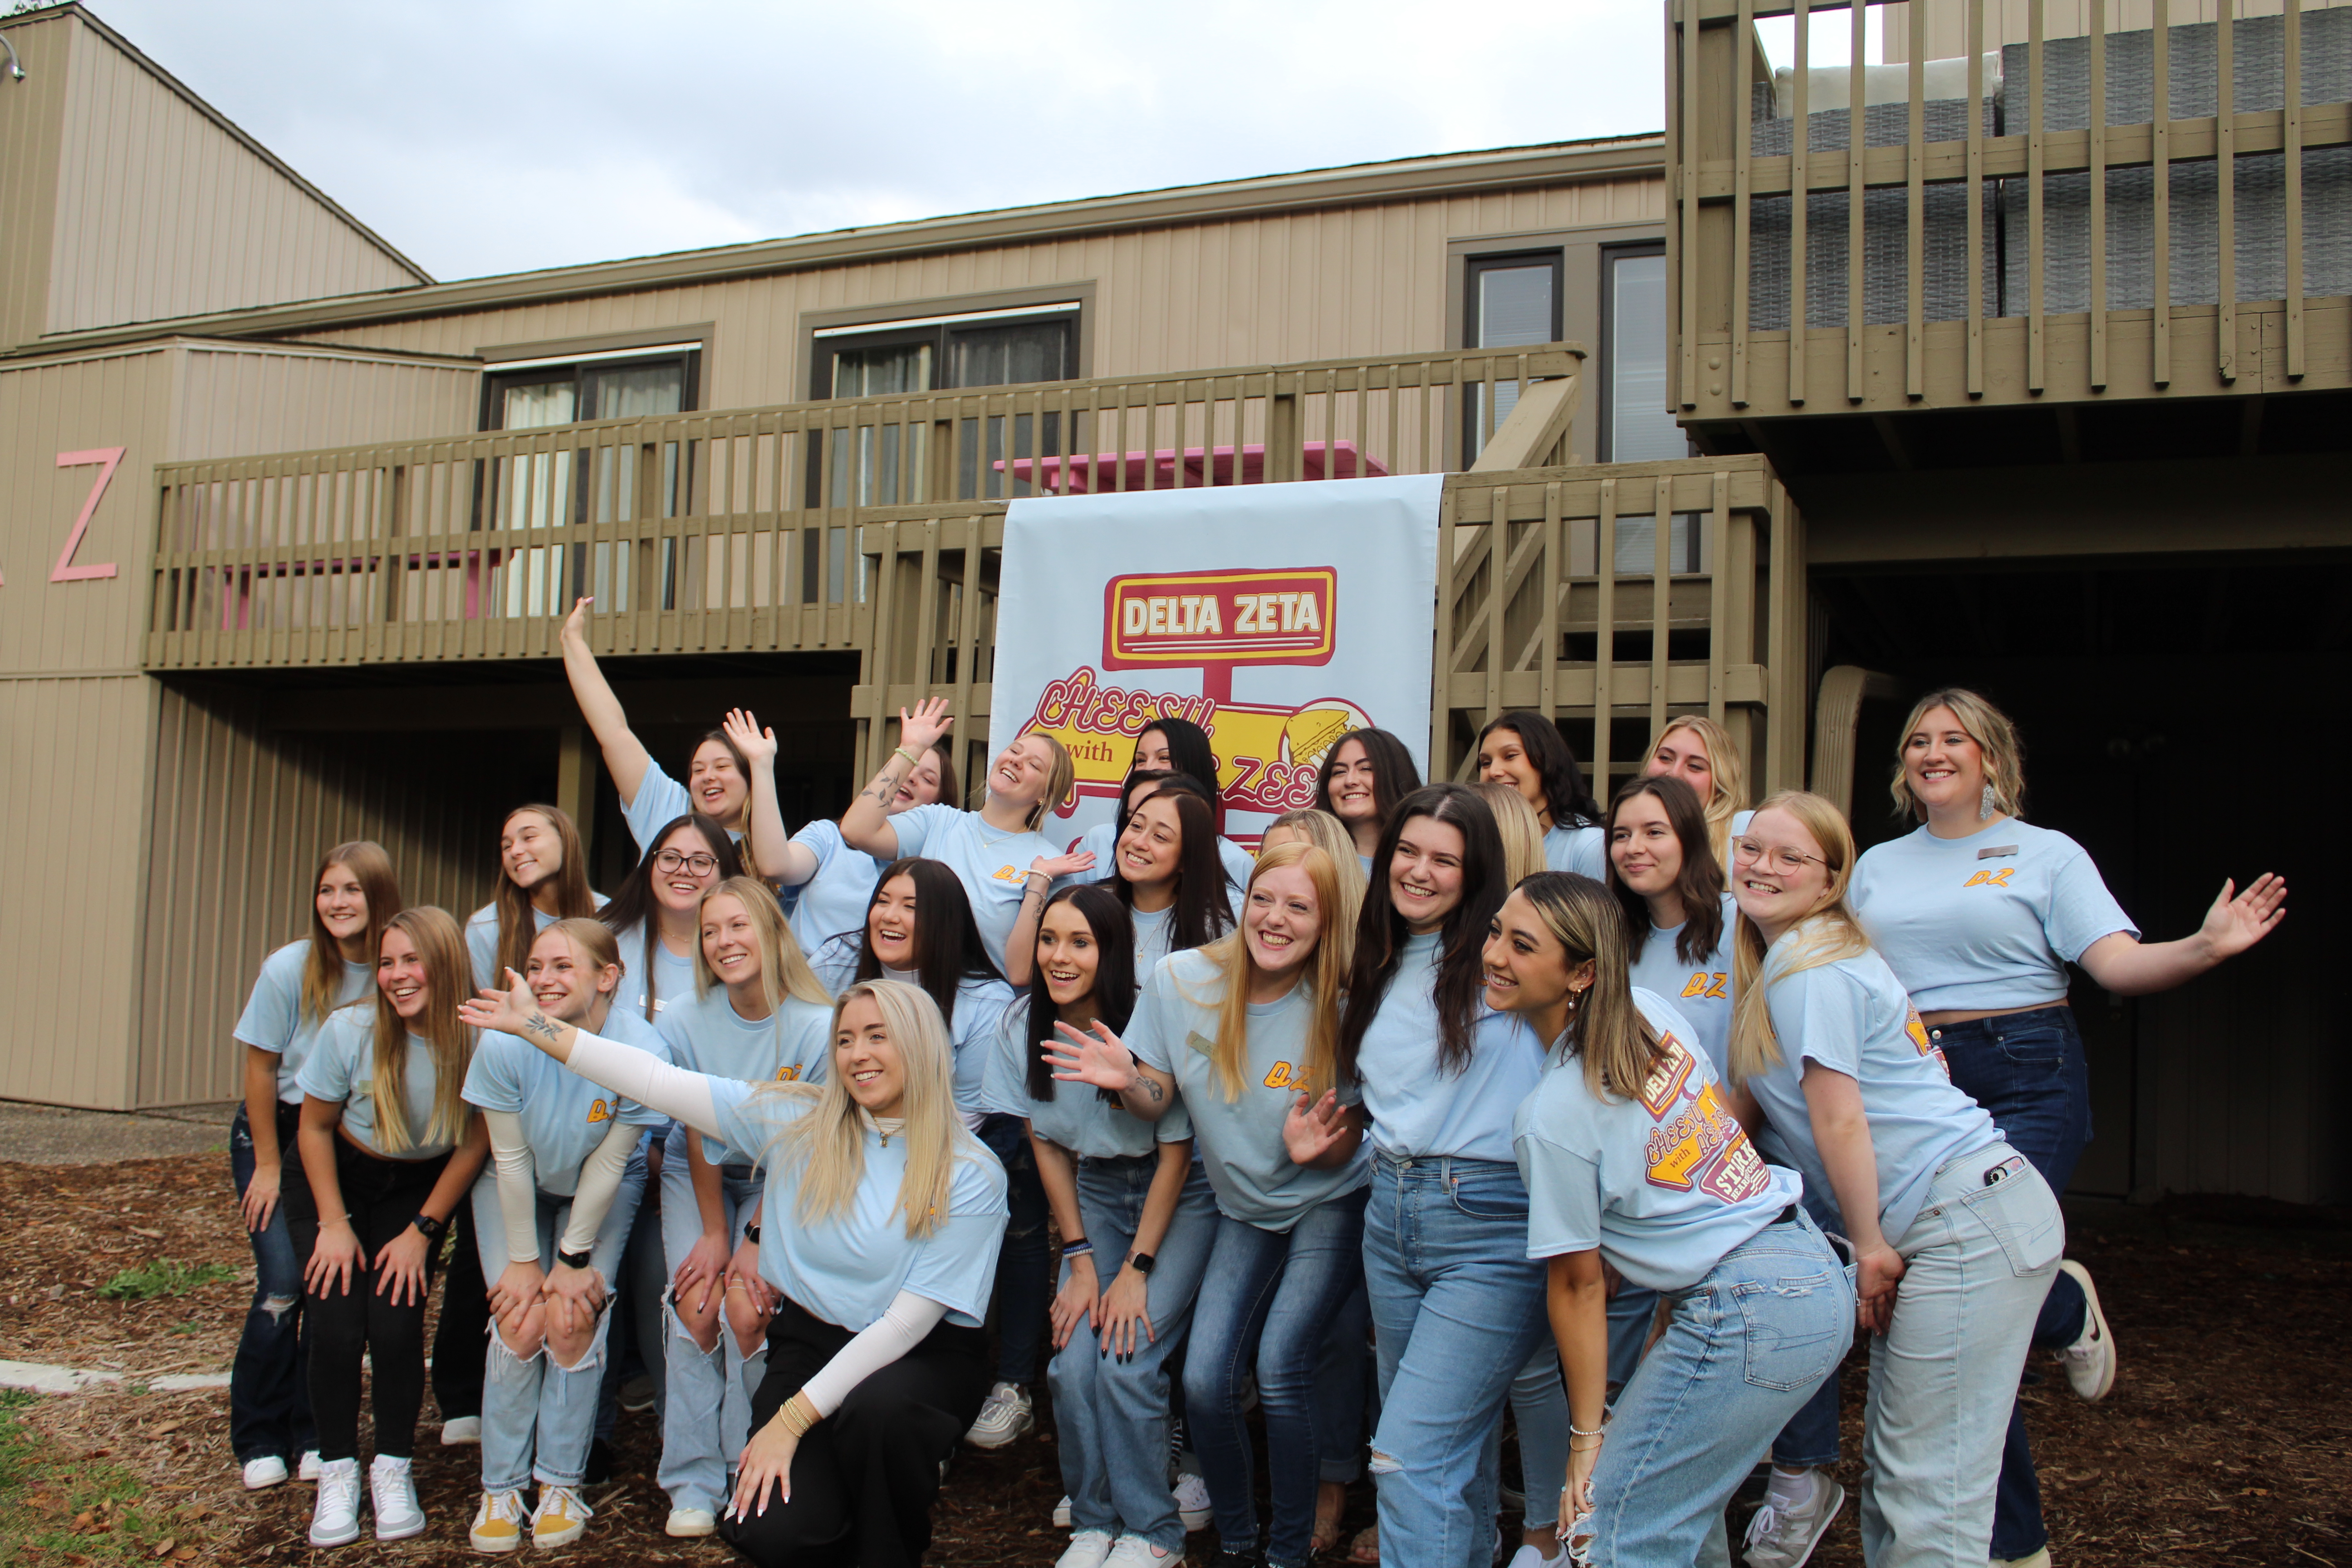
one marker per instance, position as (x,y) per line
(1206,625)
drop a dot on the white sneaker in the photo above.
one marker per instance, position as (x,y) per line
(335,1513)
(691,1521)
(1781,1537)
(1062,1512)
(1528,1557)
(1192,1500)
(268,1470)
(461,1429)
(1005,1418)
(497,1524)
(1087,1548)
(2041,1559)
(2090,1360)
(308,1469)
(392,1488)
(1135,1552)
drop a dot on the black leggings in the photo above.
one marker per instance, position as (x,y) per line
(382,1197)
(863,1478)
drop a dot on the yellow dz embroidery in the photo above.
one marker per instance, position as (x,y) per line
(1007,874)
(599,1111)
(1991,879)
(1284,1076)
(788,1074)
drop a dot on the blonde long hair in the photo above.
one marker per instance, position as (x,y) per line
(828,1141)
(323,970)
(1521,831)
(1727,789)
(1333,944)
(783,968)
(1826,933)
(1996,739)
(1606,1033)
(1059,779)
(448,981)
(1329,834)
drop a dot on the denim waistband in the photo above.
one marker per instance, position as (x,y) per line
(1439,1167)
(738,1173)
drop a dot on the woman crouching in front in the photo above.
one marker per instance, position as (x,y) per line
(883,1218)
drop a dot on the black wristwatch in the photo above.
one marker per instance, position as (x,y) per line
(573,1259)
(1142,1261)
(430,1228)
(750,1233)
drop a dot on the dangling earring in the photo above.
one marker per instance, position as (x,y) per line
(1985,804)
(1573,995)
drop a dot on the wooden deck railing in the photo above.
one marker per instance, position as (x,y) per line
(753,529)
(2033,218)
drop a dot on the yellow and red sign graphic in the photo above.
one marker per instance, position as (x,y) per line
(1205,619)
(1696,1142)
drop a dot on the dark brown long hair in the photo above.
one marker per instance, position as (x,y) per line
(1393,774)
(1115,984)
(948,948)
(1565,796)
(1202,914)
(517,928)
(633,904)
(1699,885)
(1380,930)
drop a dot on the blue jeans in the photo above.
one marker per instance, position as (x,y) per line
(1268,1294)
(1457,1310)
(2027,1070)
(269,1381)
(1978,1258)
(1112,1411)
(1343,1388)
(1811,1437)
(1022,1286)
(706,1402)
(538,1416)
(1744,1348)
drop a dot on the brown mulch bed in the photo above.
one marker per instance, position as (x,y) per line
(2227,1436)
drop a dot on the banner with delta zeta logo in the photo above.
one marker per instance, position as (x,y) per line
(1276,616)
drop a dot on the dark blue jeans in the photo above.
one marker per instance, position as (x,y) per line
(2027,1070)
(269,1381)
(1021,1282)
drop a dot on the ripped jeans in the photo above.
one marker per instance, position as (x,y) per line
(269,1381)
(706,1394)
(538,1416)
(1744,1348)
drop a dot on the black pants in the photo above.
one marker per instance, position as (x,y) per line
(382,1196)
(863,1478)
(461,1340)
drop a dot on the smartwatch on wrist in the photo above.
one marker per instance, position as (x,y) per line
(750,1233)
(1143,1262)
(572,1260)
(430,1228)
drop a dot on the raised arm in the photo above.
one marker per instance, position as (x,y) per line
(770,844)
(625,757)
(626,1070)
(866,824)
(2129,967)
(1101,1058)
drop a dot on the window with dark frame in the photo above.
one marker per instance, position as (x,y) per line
(1510,300)
(598,485)
(1633,422)
(937,353)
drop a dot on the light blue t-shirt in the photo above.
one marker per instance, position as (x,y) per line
(1578,847)
(848,1269)
(1665,1183)
(659,800)
(1240,1141)
(565,1117)
(992,864)
(1077,1118)
(706,1035)
(273,1020)
(1854,1016)
(1155,930)
(1103,838)
(836,899)
(1986,921)
(672,975)
(1700,990)
(482,937)
(1415,1106)
(341,1070)
(979,1001)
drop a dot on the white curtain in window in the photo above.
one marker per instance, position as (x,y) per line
(535,492)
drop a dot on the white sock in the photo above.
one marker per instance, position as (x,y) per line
(1791,1494)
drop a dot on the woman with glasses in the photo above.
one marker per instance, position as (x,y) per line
(655,916)
(1955,1234)
(1979,912)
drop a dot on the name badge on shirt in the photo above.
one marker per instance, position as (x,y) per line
(1200,1042)
(1996,851)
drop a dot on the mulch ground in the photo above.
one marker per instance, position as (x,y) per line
(2227,1439)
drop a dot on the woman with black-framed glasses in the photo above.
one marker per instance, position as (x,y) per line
(655,915)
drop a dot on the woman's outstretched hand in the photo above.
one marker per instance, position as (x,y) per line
(575,625)
(1314,1128)
(758,745)
(2235,924)
(1094,1056)
(509,1012)
(925,725)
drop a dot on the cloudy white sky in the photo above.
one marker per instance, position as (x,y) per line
(484,136)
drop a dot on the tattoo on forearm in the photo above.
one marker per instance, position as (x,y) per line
(1152,1088)
(538,1024)
(885,785)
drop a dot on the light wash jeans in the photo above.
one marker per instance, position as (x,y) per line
(1457,1310)
(1268,1294)
(1112,1411)
(538,1419)
(706,1402)
(1942,1377)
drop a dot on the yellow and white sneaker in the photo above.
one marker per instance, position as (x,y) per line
(497,1524)
(561,1518)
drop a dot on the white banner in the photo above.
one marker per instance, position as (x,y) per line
(1276,617)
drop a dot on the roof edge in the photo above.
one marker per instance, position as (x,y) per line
(1263,195)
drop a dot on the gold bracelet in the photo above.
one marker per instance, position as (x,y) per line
(799,1414)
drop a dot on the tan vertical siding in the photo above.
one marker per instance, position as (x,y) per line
(31,112)
(2005,21)
(164,212)
(234,401)
(73,817)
